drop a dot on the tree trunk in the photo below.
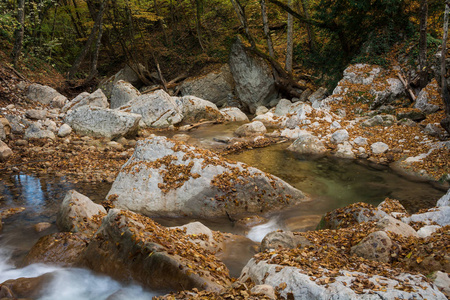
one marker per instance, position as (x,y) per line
(423,44)
(309,29)
(266,27)
(18,34)
(445,123)
(93,72)
(290,40)
(87,46)
(161,23)
(198,21)
(240,11)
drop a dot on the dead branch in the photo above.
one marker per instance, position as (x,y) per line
(407,87)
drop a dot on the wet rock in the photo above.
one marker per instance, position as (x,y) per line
(42,94)
(158,109)
(36,114)
(260,110)
(102,122)
(130,246)
(233,114)
(339,136)
(39,227)
(167,178)
(251,129)
(34,131)
(429,93)
(5,151)
(96,99)
(391,224)
(61,248)
(380,120)
(64,130)
(78,213)
(196,110)
(122,93)
(255,84)
(307,143)
(216,87)
(376,246)
(379,148)
(29,288)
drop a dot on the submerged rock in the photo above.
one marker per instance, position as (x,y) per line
(167,178)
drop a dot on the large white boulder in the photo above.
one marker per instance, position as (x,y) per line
(195,110)
(166,178)
(122,93)
(97,99)
(233,114)
(44,94)
(308,144)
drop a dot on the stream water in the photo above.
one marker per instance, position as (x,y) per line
(329,183)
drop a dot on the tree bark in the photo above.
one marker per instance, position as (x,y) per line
(198,22)
(309,29)
(423,44)
(266,27)
(93,72)
(87,46)
(240,11)
(290,40)
(18,34)
(445,123)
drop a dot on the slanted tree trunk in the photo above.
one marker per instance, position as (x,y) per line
(93,72)
(423,44)
(290,40)
(266,27)
(309,29)
(240,11)
(87,46)
(445,123)
(18,34)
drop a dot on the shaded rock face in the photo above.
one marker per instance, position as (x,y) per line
(196,110)
(97,99)
(216,87)
(25,288)
(79,214)
(255,84)
(158,109)
(426,95)
(63,249)
(43,94)
(126,74)
(129,246)
(168,178)
(376,246)
(122,93)
(102,122)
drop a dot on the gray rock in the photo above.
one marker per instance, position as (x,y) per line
(36,114)
(196,110)
(433,130)
(277,240)
(126,74)
(386,92)
(64,130)
(201,183)
(318,95)
(444,200)
(424,97)
(427,230)
(345,150)
(122,93)
(5,152)
(78,213)
(199,234)
(158,109)
(335,125)
(15,123)
(255,84)
(216,87)
(233,114)
(42,94)
(412,115)
(59,101)
(308,144)
(442,281)
(97,99)
(102,122)
(2,132)
(439,215)
(304,96)
(380,120)
(283,107)
(260,110)
(350,215)
(339,136)
(264,289)
(360,141)
(376,246)
(251,129)
(361,74)
(379,148)
(34,131)
(391,224)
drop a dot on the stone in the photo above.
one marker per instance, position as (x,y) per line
(61,248)
(414,115)
(122,93)
(41,93)
(64,130)
(283,107)
(102,122)
(439,215)
(376,246)
(15,123)
(442,281)
(162,258)
(50,125)
(339,136)
(444,200)
(391,224)
(158,109)
(42,226)
(308,144)
(96,99)
(379,148)
(36,114)
(27,288)
(200,235)
(304,96)
(277,240)
(427,94)
(361,74)
(433,130)
(264,289)
(217,86)
(166,178)
(255,83)
(233,114)
(318,95)
(126,74)
(427,230)
(345,150)
(5,128)
(2,132)
(78,213)
(34,131)
(260,110)
(196,110)
(360,141)
(5,151)
(335,125)
(251,129)
(59,101)
(386,92)
(380,120)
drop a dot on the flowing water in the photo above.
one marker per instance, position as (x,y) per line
(329,184)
